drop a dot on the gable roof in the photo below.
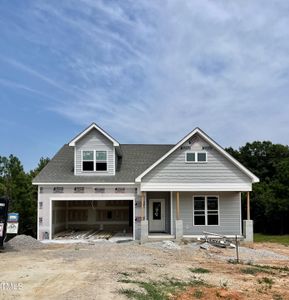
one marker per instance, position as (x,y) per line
(134,160)
(209,141)
(88,129)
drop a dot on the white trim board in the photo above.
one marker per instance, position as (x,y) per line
(88,129)
(209,141)
(197,187)
(84,183)
(93,198)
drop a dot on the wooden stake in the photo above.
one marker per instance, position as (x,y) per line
(237,248)
(178,206)
(248,205)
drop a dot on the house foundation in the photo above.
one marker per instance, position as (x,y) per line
(248,230)
(179,229)
(144,230)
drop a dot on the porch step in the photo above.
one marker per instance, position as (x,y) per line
(161,237)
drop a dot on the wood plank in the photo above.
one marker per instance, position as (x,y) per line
(248,206)
(178,206)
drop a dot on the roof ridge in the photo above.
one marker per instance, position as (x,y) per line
(142,144)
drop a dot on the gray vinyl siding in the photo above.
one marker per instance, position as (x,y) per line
(174,169)
(94,140)
(229,213)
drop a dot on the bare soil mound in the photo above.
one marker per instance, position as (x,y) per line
(24,242)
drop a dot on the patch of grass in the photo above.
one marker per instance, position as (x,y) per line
(255,270)
(280,239)
(266,267)
(158,290)
(273,270)
(251,271)
(277,297)
(198,294)
(126,274)
(199,270)
(268,282)
(233,261)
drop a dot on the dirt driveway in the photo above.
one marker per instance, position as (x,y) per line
(98,271)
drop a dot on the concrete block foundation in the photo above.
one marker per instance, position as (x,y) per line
(144,231)
(179,229)
(248,230)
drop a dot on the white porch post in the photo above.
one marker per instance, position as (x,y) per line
(144,230)
(179,223)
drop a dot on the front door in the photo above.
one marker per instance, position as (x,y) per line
(157,215)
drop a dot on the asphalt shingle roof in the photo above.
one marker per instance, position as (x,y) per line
(135,160)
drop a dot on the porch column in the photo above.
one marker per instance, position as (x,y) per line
(248,205)
(179,223)
(248,224)
(178,206)
(144,228)
(142,205)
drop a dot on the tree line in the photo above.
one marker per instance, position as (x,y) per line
(269,198)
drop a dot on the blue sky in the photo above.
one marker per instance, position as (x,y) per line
(145,71)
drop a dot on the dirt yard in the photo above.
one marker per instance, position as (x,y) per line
(101,270)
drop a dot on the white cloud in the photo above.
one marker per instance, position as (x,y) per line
(150,71)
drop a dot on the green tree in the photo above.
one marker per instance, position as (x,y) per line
(17,186)
(270,197)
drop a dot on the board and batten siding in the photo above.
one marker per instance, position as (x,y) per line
(229,214)
(174,169)
(94,140)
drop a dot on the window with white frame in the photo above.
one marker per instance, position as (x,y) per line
(94,161)
(196,157)
(100,161)
(205,210)
(87,161)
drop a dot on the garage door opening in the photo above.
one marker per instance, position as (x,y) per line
(92,219)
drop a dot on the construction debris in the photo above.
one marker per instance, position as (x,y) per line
(84,235)
(205,246)
(217,240)
(170,245)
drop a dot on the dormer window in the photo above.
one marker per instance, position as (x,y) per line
(94,161)
(87,161)
(100,161)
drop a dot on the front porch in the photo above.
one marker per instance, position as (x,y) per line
(174,215)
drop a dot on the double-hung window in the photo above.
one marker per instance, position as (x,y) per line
(205,210)
(94,161)
(100,161)
(88,161)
